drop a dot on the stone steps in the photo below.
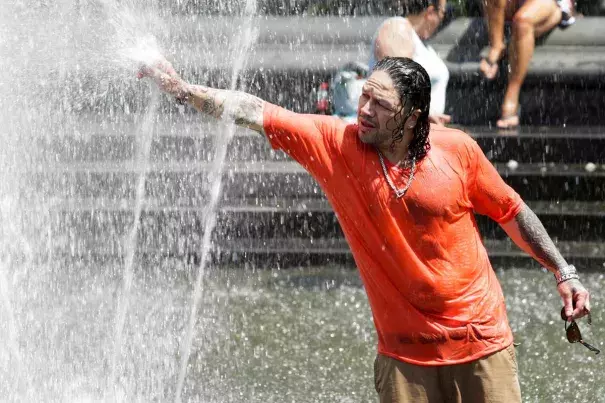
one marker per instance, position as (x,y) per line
(180,143)
(310,218)
(270,206)
(180,183)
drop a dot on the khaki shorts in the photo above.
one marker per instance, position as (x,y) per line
(491,379)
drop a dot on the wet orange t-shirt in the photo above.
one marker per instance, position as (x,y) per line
(434,296)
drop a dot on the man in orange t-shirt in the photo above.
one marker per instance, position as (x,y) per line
(405,194)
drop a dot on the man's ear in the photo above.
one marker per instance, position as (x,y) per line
(412,120)
(429,10)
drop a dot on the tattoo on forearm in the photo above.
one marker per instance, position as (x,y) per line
(207,100)
(244,109)
(534,234)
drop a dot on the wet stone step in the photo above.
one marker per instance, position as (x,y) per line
(286,205)
(287,167)
(124,148)
(539,144)
(191,223)
(184,183)
(270,225)
(115,246)
(559,227)
(560,150)
(320,245)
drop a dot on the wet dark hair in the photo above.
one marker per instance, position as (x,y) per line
(413,85)
(412,7)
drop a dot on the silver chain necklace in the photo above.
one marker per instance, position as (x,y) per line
(399,193)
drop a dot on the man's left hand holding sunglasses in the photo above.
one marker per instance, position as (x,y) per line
(576,299)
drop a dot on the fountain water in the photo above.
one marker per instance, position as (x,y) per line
(142,160)
(135,46)
(73,128)
(240,49)
(76,80)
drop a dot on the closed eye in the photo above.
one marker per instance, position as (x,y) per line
(385,106)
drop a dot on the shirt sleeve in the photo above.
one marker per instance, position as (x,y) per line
(488,192)
(308,139)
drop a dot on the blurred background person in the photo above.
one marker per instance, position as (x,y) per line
(529,20)
(398,37)
(406,36)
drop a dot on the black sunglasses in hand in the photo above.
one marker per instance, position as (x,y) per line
(572,331)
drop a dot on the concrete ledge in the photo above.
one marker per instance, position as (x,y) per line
(574,61)
(318,246)
(186,182)
(279,205)
(589,31)
(572,148)
(284,168)
(326,43)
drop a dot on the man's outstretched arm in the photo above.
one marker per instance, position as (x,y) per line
(243,109)
(308,139)
(527,231)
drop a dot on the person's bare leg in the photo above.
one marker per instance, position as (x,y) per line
(531,21)
(495,11)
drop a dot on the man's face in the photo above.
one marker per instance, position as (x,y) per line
(377,113)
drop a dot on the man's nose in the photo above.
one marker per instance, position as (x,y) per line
(367,109)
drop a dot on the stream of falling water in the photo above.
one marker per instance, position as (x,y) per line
(240,48)
(144,137)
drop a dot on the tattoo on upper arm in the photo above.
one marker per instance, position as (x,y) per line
(534,234)
(244,109)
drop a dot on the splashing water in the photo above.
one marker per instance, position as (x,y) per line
(10,323)
(142,164)
(132,44)
(16,254)
(240,48)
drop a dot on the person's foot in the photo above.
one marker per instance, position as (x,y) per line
(508,122)
(489,64)
(488,68)
(510,116)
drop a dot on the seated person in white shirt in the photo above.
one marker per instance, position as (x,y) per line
(406,36)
